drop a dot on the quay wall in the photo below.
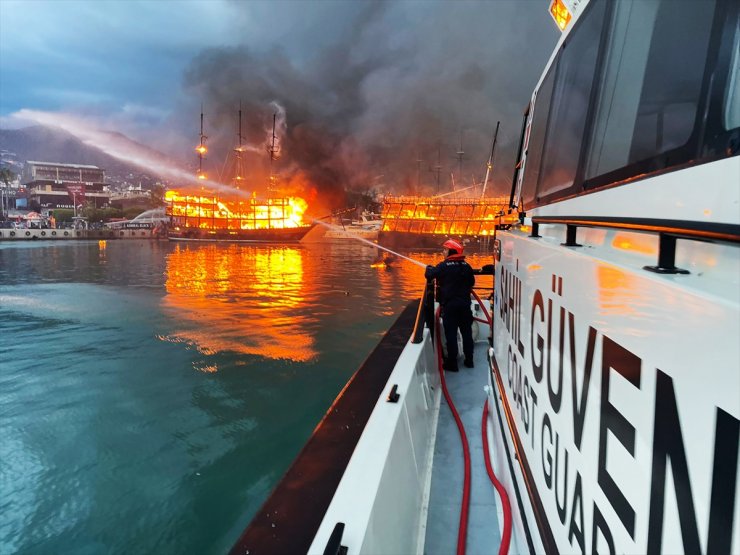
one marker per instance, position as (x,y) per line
(69,234)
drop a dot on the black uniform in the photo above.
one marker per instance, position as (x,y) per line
(455,281)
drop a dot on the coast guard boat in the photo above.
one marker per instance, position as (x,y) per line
(606,387)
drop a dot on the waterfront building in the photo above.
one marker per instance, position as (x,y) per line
(53,185)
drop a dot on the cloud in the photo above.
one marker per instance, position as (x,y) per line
(396,83)
(368,88)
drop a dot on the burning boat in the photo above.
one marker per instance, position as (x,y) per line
(209,218)
(206,217)
(424,222)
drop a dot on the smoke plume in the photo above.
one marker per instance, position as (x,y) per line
(393,92)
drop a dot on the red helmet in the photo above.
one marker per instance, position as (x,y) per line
(453,245)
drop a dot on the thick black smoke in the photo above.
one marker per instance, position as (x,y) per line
(392,84)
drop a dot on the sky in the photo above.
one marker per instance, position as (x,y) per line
(362,90)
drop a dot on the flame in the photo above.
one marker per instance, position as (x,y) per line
(436,216)
(210,212)
(201,149)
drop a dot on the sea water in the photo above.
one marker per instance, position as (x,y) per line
(153,393)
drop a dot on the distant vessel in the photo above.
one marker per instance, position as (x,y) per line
(425,222)
(367,227)
(209,218)
(206,217)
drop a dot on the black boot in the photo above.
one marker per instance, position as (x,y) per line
(469,362)
(450,366)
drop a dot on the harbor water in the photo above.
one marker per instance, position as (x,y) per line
(153,393)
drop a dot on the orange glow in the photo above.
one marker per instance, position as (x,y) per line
(201,175)
(635,243)
(560,14)
(616,291)
(102,244)
(200,285)
(438,216)
(213,213)
(201,149)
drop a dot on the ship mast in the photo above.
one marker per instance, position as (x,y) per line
(239,153)
(201,149)
(438,167)
(418,173)
(489,164)
(273,150)
(460,155)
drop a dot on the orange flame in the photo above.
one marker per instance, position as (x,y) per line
(436,216)
(206,212)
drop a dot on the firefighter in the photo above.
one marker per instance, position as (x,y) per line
(455,282)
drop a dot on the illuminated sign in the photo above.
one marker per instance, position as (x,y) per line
(560,13)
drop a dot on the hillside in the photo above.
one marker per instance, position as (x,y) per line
(48,144)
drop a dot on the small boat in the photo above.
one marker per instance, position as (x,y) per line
(367,227)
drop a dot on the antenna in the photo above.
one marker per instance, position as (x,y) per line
(489,164)
(460,155)
(201,149)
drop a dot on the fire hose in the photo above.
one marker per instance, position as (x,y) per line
(506,533)
(462,532)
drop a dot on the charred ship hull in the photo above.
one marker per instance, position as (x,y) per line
(274,235)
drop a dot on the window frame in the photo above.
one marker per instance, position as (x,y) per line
(576,186)
(708,141)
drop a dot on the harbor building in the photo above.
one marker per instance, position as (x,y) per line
(54,185)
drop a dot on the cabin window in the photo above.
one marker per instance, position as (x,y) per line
(570,100)
(732,98)
(537,137)
(651,83)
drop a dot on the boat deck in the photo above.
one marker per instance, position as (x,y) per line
(466,388)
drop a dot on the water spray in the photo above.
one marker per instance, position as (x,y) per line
(363,240)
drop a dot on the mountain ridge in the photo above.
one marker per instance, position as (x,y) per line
(55,145)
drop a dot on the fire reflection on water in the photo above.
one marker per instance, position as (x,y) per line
(247,297)
(271,301)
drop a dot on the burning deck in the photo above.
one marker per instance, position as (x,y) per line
(422,222)
(208,218)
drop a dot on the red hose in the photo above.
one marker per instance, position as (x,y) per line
(483,307)
(462,532)
(506,534)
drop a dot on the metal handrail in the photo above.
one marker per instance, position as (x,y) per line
(334,545)
(425,313)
